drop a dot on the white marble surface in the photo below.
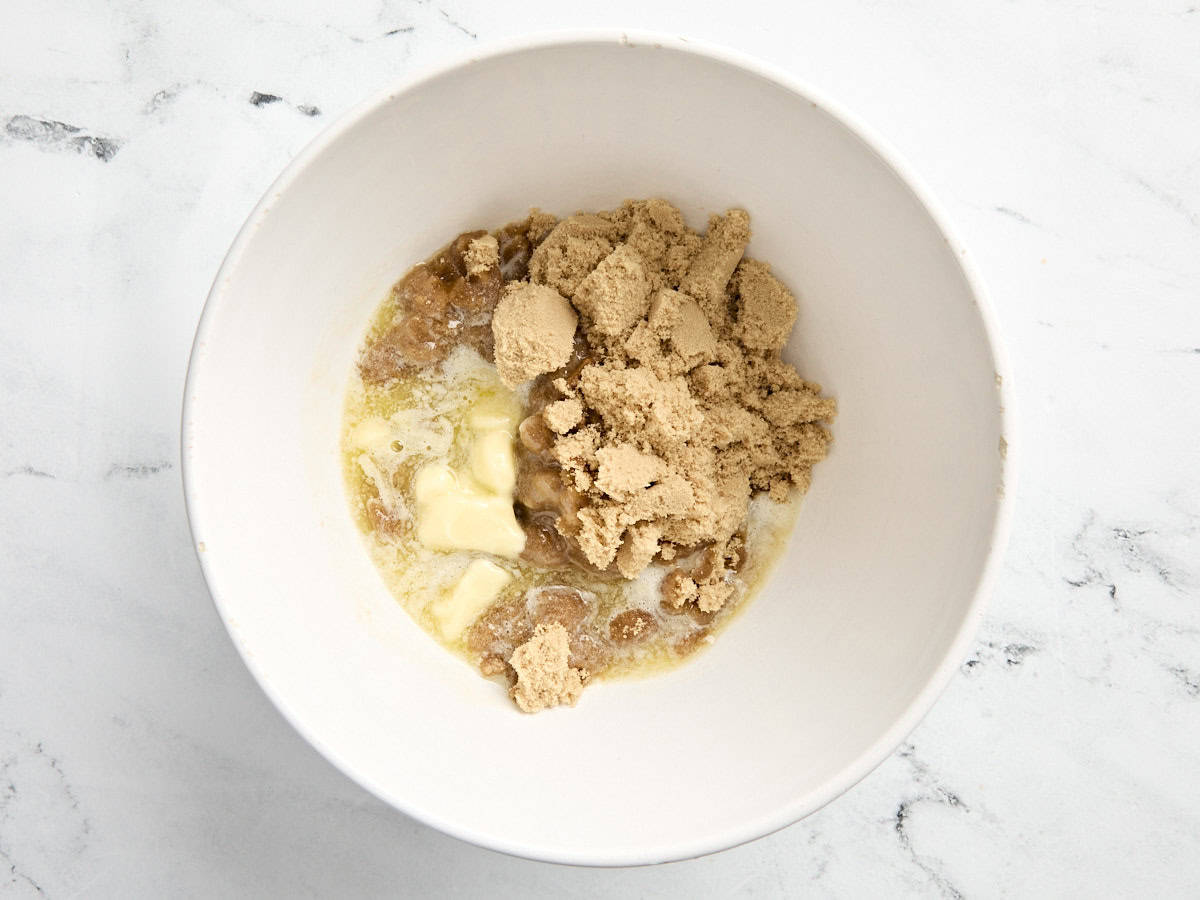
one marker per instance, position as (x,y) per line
(138,758)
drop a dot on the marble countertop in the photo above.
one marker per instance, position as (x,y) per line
(137,756)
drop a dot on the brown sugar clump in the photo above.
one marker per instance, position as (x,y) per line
(662,239)
(563,415)
(686,328)
(719,255)
(482,253)
(672,498)
(534,329)
(678,588)
(705,582)
(675,338)
(712,595)
(599,533)
(544,677)
(661,412)
(624,470)
(616,293)
(789,407)
(539,224)
(638,548)
(571,250)
(766,310)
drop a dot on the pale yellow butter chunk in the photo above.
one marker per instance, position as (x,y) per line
(453,514)
(493,463)
(479,585)
(494,417)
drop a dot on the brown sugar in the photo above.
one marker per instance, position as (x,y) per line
(789,407)
(679,408)
(661,238)
(624,470)
(616,293)
(482,253)
(712,595)
(678,588)
(766,309)
(635,401)
(675,338)
(719,255)
(571,250)
(600,528)
(544,676)
(638,548)
(534,329)
(563,415)
(686,328)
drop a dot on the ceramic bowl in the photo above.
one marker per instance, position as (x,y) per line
(872,606)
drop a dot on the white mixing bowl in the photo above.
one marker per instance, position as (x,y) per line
(867,615)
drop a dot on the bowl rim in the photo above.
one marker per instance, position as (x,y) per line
(791,811)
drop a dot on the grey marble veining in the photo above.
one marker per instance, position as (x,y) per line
(137,757)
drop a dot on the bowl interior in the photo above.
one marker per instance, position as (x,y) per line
(852,634)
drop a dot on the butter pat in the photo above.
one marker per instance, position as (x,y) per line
(492,461)
(479,585)
(454,514)
(473,509)
(492,417)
